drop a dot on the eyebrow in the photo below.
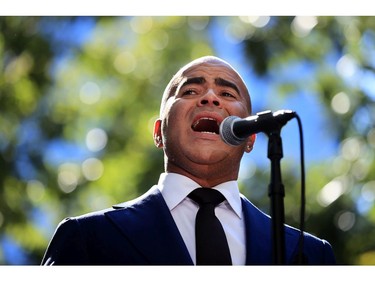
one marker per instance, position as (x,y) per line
(226,83)
(218,81)
(194,80)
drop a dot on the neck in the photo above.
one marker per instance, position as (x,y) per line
(205,175)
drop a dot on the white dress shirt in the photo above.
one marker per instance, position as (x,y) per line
(175,188)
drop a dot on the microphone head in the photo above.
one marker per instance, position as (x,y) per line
(226,131)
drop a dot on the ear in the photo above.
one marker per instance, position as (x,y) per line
(158,139)
(250,143)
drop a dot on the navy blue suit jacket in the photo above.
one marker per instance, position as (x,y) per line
(143,232)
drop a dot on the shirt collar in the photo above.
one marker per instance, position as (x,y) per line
(175,187)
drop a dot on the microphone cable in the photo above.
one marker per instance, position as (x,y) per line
(300,257)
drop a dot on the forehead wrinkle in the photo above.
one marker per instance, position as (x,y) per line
(218,81)
(176,82)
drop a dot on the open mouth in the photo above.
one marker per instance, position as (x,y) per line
(206,125)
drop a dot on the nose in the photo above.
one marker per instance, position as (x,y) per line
(210,98)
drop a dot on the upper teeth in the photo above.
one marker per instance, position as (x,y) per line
(206,125)
(203,118)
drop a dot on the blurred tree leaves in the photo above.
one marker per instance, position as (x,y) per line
(79,95)
(338,53)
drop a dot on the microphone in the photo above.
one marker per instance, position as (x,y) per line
(234,130)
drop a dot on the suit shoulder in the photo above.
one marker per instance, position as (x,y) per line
(97,215)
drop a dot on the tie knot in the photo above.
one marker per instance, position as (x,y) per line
(206,196)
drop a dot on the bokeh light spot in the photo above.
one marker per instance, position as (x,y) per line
(256,21)
(346,66)
(340,103)
(302,25)
(90,93)
(125,63)
(368,191)
(235,33)
(35,190)
(141,25)
(68,177)
(96,139)
(351,148)
(198,23)
(160,41)
(345,220)
(92,169)
(331,192)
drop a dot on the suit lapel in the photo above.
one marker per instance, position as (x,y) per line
(259,236)
(148,224)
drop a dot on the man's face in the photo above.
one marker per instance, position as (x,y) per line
(206,93)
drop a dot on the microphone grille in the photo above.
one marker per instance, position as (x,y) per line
(226,131)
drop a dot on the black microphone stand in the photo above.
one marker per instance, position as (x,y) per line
(270,124)
(276,193)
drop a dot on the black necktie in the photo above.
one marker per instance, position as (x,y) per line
(211,244)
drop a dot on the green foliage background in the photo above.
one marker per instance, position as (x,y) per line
(97,98)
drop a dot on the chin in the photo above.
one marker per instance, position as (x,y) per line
(207,156)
